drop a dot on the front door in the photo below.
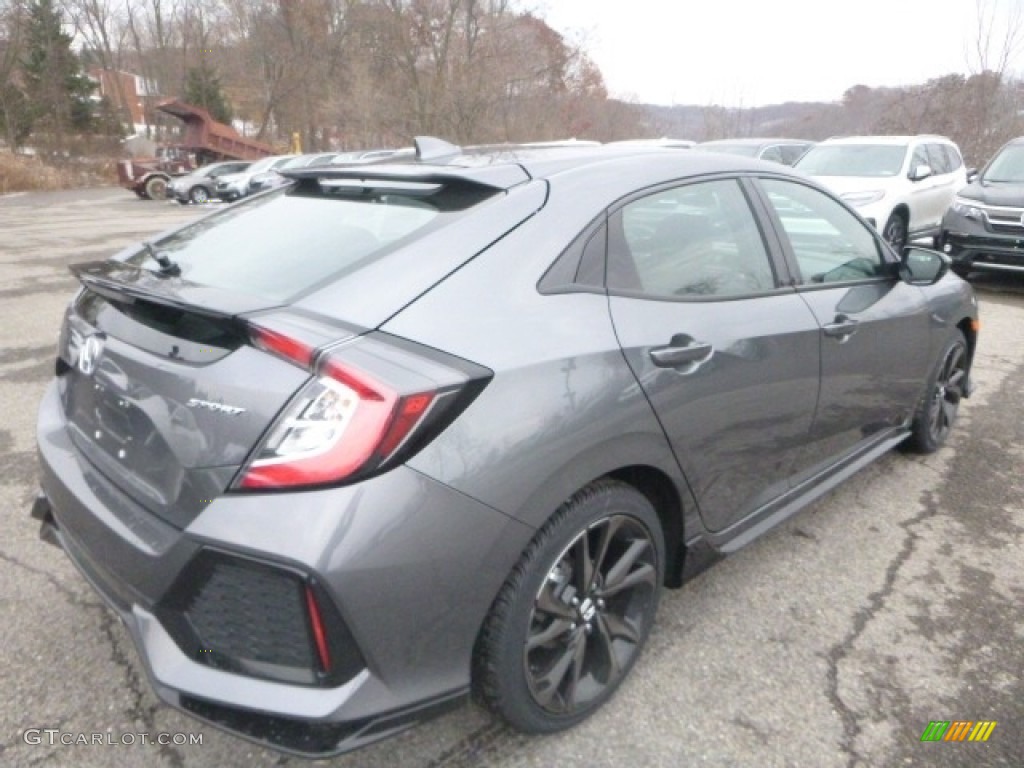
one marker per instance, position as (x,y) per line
(874,330)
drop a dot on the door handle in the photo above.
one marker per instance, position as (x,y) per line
(682,350)
(841,328)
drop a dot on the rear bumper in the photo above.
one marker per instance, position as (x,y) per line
(410,565)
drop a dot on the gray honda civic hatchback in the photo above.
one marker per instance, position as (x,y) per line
(344,453)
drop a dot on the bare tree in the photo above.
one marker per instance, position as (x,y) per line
(998,35)
(101,25)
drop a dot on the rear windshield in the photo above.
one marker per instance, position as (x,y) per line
(282,245)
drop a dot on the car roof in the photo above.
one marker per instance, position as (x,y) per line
(884,140)
(664,141)
(506,166)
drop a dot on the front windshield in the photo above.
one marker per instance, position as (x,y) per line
(264,164)
(1007,166)
(295,162)
(853,160)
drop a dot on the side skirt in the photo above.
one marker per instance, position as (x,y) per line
(773,513)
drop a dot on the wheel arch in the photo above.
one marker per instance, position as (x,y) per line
(663,495)
(968,327)
(903,211)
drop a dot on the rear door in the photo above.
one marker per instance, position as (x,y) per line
(725,352)
(874,327)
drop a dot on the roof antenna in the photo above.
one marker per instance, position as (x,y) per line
(428,149)
(167,267)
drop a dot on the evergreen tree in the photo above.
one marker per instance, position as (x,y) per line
(15,115)
(203,89)
(55,86)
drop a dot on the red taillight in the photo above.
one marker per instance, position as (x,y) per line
(316,625)
(284,346)
(372,402)
(340,423)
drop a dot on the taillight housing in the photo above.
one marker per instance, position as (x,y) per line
(371,404)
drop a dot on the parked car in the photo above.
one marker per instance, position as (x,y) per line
(784,151)
(900,184)
(983,229)
(200,186)
(272,178)
(236,185)
(342,453)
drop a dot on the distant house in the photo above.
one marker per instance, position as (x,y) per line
(134,88)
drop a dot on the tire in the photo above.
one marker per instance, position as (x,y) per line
(936,413)
(895,232)
(141,194)
(546,658)
(156,188)
(198,194)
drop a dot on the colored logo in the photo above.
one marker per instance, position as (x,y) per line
(958,730)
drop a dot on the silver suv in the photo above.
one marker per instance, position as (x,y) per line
(901,184)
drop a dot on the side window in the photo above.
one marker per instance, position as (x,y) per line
(698,240)
(938,160)
(920,158)
(830,243)
(953,156)
(773,153)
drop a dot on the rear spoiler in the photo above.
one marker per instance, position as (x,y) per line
(127,283)
(497,177)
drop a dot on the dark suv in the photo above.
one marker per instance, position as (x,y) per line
(984,227)
(347,451)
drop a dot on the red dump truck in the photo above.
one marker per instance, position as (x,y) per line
(204,141)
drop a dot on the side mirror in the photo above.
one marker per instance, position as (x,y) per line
(922,171)
(972,175)
(922,266)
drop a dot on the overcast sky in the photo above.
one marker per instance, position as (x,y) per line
(755,52)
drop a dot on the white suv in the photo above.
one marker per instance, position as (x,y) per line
(901,184)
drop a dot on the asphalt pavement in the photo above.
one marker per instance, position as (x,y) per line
(834,640)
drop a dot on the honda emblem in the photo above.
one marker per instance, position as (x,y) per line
(89,355)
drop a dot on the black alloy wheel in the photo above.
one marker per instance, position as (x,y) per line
(575,613)
(937,412)
(576,648)
(895,232)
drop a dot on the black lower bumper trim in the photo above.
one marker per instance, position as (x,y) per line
(314,739)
